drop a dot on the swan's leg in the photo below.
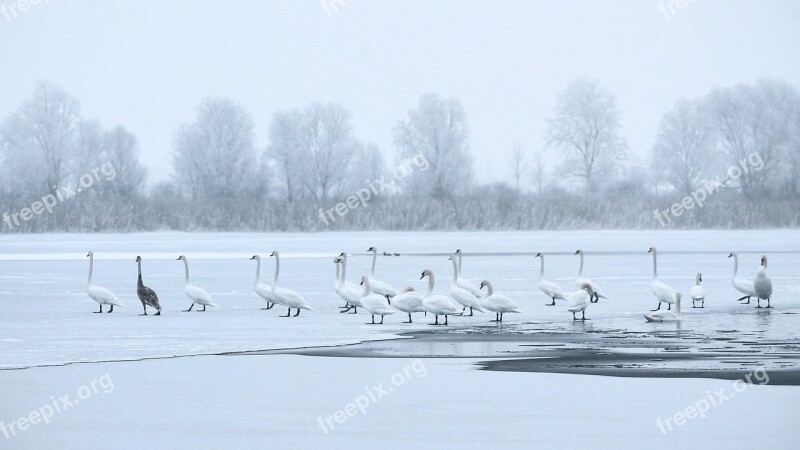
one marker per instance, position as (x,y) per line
(445,319)
(388,299)
(759,302)
(298,312)
(573,316)
(501,317)
(437,320)
(470,311)
(382,320)
(355,309)
(748,300)
(659,307)
(346,309)
(110,310)
(288,313)
(669,306)
(270,305)
(144,307)
(551,304)
(190,308)
(101,310)
(346,306)
(768,305)
(202,310)
(583,315)
(409,319)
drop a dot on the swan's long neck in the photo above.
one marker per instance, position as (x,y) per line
(430,285)
(374,258)
(541,267)
(580,269)
(367,287)
(339,279)
(258,271)
(277,270)
(459,263)
(186,267)
(678,308)
(91,267)
(139,265)
(455,270)
(489,289)
(344,268)
(655,264)
(735,265)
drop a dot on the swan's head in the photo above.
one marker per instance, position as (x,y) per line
(426,273)
(588,288)
(699,278)
(138,259)
(538,255)
(337,260)
(256,257)
(486,283)
(764,261)
(451,257)
(458,251)
(372,249)
(578,252)
(732,255)
(408,289)
(364,280)
(181,258)
(678,297)
(652,250)
(275,254)
(90,254)
(343,255)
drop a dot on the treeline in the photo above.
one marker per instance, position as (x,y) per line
(581,177)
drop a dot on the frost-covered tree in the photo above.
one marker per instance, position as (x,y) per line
(684,152)
(286,149)
(214,156)
(585,128)
(518,165)
(438,130)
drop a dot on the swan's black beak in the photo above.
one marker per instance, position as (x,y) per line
(253,257)
(362,282)
(730,256)
(179,258)
(482,285)
(423,276)
(577,252)
(538,255)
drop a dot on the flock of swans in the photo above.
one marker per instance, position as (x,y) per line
(379,298)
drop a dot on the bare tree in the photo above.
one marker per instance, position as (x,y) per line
(438,130)
(286,148)
(328,150)
(585,129)
(519,165)
(538,171)
(684,151)
(121,151)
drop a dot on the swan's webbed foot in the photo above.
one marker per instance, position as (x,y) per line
(409,319)
(297,313)
(445,319)
(288,313)
(158,313)
(551,304)
(202,310)
(110,310)
(98,312)
(659,307)
(437,320)
(190,308)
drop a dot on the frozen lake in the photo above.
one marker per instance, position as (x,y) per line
(46,325)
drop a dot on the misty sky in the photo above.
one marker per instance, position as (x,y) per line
(146,64)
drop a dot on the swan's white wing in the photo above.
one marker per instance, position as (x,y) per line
(379,287)
(350,293)
(469,286)
(198,295)
(440,304)
(580,280)
(663,292)
(408,302)
(500,303)
(463,297)
(102,295)
(551,289)
(265,291)
(762,285)
(661,316)
(578,301)
(697,292)
(377,304)
(744,286)
(291,299)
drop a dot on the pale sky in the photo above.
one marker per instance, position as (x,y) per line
(146,64)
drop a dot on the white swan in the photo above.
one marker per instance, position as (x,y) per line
(742,285)
(374,303)
(549,288)
(379,287)
(580,280)
(498,303)
(460,294)
(698,292)
(437,304)
(262,289)
(348,291)
(409,301)
(464,283)
(195,294)
(763,284)
(579,301)
(667,316)
(100,294)
(284,296)
(663,292)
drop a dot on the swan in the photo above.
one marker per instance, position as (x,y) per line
(437,304)
(374,303)
(379,287)
(195,294)
(147,296)
(460,294)
(579,300)
(100,294)
(286,297)
(498,303)
(742,285)
(667,316)
(580,280)
(697,292)
(262,289)
(348,291)
(549,288)
(409,301)
(336,261)
(663,292)
(464,283)
(763,284)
